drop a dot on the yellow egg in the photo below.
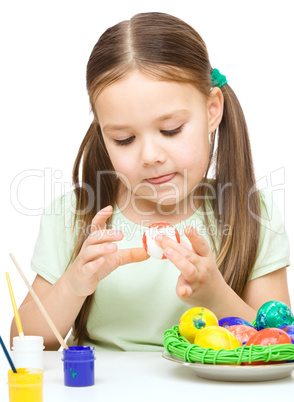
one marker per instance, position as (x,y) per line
(216,337)
(195,320)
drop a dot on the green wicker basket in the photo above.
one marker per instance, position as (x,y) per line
(178,346)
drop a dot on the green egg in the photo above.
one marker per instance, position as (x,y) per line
(274,314)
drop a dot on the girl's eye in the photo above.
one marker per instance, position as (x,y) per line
(173,132)
(124,142)
(168,133)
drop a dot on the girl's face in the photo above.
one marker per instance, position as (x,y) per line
(157,136)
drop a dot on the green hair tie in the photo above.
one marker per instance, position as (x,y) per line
(218,80)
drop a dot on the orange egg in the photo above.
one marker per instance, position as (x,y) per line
(266,336)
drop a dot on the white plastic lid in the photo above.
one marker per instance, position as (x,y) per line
(29,342)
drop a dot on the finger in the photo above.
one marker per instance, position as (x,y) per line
(184,292)
(98,250)
(127,256)
(186,252)
(189,271)
(99,220)
(198,242)
(100,268)
(92,267)
(183,288)
(102,236)
(185,244)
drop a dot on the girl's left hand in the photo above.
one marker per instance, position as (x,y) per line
(200,282)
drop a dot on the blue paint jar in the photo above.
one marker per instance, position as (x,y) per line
(78,365)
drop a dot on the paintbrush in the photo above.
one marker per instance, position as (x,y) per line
(16,313)
(8,356)
(40,305)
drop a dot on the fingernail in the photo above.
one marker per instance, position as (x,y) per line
(106,209)
(117,234)
(110,246)
(169,251)
(158,238)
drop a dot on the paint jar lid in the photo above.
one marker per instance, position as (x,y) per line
(79,353)
(28,343)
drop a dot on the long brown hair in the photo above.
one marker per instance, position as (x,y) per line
(167,48)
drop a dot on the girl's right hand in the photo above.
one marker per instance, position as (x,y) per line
(99,256)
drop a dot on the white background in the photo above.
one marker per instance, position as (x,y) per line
(45,110)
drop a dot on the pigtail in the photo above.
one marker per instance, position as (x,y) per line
(237,198)
(96,191)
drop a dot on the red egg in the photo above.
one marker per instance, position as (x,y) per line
(242,332)
(273,336)
(158,228)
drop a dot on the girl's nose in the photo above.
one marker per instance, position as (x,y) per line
(152,152)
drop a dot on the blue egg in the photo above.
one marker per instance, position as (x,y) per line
(228,321)
(289,329)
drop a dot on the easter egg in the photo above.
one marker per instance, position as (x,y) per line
(229,321)
(159,228)
(274,314)
(242,332)
(194,320)
(266,336)
(216,337)
(289,329)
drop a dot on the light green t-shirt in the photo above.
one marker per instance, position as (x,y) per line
(136,303)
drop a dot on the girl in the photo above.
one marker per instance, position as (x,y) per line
(162,119)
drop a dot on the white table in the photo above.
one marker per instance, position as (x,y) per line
(147,376)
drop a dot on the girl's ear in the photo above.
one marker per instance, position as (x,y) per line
(215,107)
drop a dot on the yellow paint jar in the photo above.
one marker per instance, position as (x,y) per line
(26,385)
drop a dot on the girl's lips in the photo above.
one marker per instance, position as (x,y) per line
(161,179)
